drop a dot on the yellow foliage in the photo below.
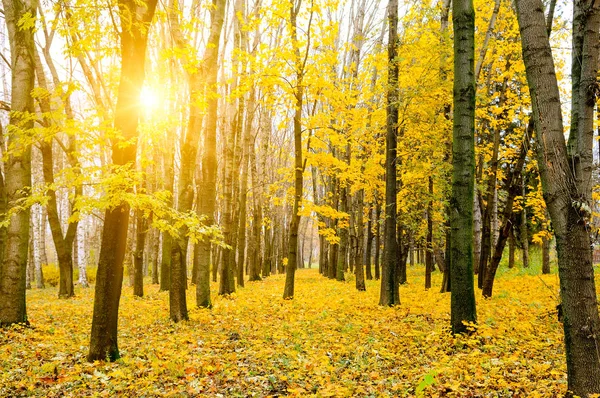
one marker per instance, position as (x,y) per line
(329,341)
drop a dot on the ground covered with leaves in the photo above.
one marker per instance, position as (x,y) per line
(329,341)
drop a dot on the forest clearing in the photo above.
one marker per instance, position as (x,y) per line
(331,340)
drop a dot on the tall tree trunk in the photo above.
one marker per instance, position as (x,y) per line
(138,261)
(207,187)
(255,246)
(155,251)
(63,243)
(511,249)
(292,249)
(524,230)
(390,294)
(38,247)
(13,260)
(376,261)
(429,238)
(545,255)
(333,248)
(135,20)
(359,228)
(564,200)
(463,162)
(167,239)
(343,233)
(83,256)
(369,247)
(513,188)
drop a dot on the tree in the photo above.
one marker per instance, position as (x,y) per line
(390,294)
(207,189)
(135,21)
(566,191)
(300,68)
(463,163)
(15,186)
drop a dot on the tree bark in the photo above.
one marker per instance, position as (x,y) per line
(207,190)
(390,294)
(138,261)
(511,249)
(288,291)
(369,246)
(135,20)
(513,188)
(524,230)
(17,168)
(429,238)
(564,201)
(359,269)
(377,240)
(463,162)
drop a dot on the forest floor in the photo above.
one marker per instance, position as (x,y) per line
(329,341)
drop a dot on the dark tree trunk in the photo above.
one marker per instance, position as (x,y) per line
(429,253)
(463,162)
(376,261)
(138,261)
(389,294)
(566,201)
(62,243)
(513,188)
(369,248)
(342,264)
(155,249)
(511,248)
(524,230)
(333,248)
(109,277)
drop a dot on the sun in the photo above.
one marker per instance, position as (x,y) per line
(149,99)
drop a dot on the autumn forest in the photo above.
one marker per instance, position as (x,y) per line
(327,198)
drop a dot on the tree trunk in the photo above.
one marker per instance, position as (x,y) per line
(545,255)
(138,262)
(524,230)
(429,238)
(377,240)
(369,249)
(155,250)
(165,262)
(255,246)
(511,249)
(37,245)
(343,232)
(359,269)
(82,259)
(563,199)
(288,291)
(62,243)
(513,188)
(390,294)
(109,277)
(15,241)
(463,162)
